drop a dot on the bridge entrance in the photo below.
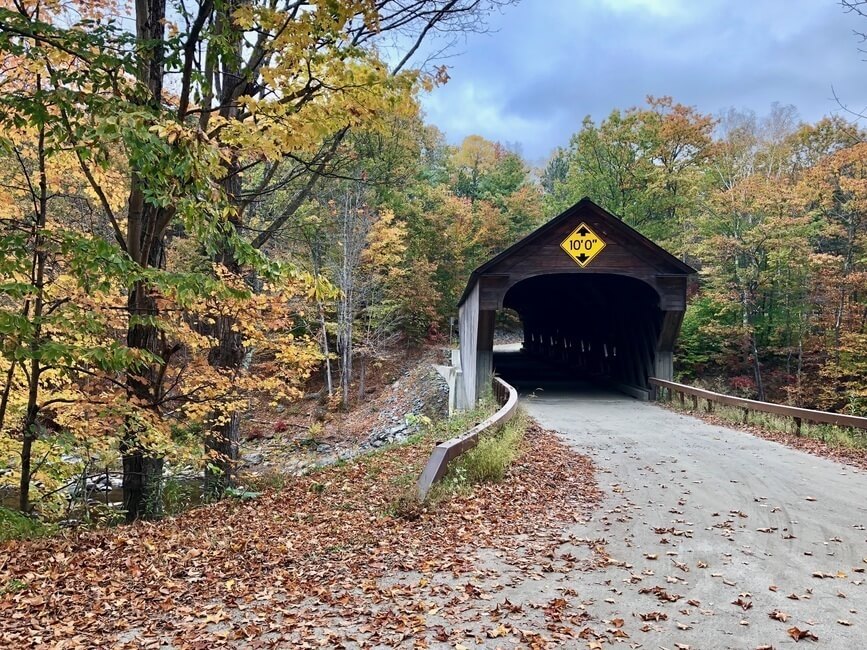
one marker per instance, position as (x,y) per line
(597,300)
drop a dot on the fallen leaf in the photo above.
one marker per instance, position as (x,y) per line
(798,635)
(742,603)
(661,594)
(777,615)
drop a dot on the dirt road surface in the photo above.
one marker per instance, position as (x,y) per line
(729,527)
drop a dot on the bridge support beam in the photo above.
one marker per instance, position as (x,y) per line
(485,352)
(477,351)
(671,321)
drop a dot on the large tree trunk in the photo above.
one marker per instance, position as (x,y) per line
(222,441)
(142,470)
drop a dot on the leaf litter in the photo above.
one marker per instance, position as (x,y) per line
(335,566)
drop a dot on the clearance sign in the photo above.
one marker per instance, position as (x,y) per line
(582,245)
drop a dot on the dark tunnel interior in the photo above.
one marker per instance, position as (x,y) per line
(582,328)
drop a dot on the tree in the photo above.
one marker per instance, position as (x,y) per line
(185,111)
(835,190)
(644,165)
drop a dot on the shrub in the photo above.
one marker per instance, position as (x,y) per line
(16,525)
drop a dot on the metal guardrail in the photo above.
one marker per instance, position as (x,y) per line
(447,451)
(797,413)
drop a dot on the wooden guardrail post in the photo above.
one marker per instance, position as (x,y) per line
(447,451)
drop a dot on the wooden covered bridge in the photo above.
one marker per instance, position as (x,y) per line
(592,293)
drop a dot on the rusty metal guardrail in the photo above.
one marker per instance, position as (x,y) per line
(794,412)
(447,451)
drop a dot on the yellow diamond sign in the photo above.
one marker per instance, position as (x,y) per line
(582,245)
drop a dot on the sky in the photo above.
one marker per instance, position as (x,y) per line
(546,64)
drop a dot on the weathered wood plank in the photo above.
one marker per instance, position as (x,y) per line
(822,417)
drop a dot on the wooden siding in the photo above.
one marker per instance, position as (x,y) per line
(635,331)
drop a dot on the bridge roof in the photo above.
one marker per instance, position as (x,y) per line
(649,253)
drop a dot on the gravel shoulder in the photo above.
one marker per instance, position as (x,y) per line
(716,517)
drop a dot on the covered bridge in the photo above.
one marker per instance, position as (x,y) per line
(591,292)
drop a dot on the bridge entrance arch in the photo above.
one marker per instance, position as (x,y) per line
(592,293)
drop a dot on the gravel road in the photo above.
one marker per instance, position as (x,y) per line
(716,517)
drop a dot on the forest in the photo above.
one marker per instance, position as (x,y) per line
(225,198)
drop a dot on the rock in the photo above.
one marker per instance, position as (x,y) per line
(254,459)
(327,460)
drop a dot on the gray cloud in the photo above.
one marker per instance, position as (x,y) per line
(551,62)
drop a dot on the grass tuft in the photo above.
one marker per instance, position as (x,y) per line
(487,462)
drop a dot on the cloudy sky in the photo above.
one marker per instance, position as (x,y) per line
(551,62)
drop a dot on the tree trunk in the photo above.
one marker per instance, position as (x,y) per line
(142,471)
(142,484)
(222,442)
(325,351)
(757,369)
(345,312)
(37,282)
(345,343)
